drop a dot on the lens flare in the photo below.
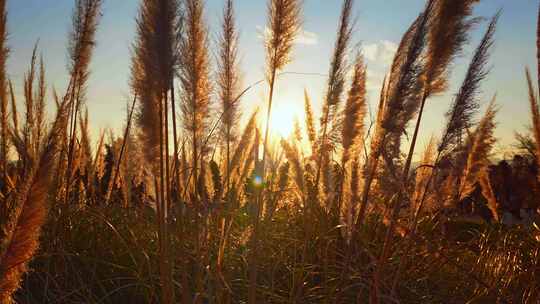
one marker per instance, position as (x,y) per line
(257,181)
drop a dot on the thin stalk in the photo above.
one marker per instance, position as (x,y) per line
(166,287)
(408,162)
(224,219)
(253,261)
(367,184)
(3,144)
(268,114)
(414,223)
(175,141)
(4,53)
(404,177)
(71,134)
(216,124)
(228,165)
(322,148)
(176,165)
(124,142)
(167,164)
(167,202)
(160,229)
(195,155)
(247,89)
(397,203)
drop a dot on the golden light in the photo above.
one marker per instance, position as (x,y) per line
(284,113)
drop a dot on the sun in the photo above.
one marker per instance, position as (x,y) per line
(283,116)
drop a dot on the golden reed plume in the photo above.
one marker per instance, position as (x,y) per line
(336,82)
(310,123)
(27,212)
(293,155)
(465,103)
(423,174)
(229,84)
(448,32)
(283,26)
(399,99)
(460,116)
(354,112)
(482,144)
(153,67)
(81,43)
(194,81)
(487,191)
(352,133)
(239,155)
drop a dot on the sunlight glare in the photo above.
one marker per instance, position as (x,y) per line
(284,113)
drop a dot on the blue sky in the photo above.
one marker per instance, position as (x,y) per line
(379,28)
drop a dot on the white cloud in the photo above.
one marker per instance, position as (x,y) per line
(374,81)
(307,38)
(381,52)
(370,51)
(304,37)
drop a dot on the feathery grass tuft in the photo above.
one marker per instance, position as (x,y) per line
(448,32)
(399,100)
(310,123)
(354,112)
(478,156)
(283,26)
(194,81)
(82,41)
(488,192)
(336,81)
(153,65)
(229,83)
(465,104)
(21,229)
(423,174)
(535,117)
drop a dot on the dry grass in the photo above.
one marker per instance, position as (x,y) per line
(206,211)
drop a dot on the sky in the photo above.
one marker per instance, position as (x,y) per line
(379,27)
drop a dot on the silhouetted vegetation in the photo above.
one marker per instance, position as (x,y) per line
(189,206)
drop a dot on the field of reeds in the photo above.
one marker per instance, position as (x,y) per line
(188,205)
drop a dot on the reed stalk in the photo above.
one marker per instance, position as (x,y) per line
(4,99)
(460,118)
(404,86)
(125,139)
(229,83)
(81,43)
(336,81)
(400,101)
(153,64)
(284,25)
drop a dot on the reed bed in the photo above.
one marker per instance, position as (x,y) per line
(190,206)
